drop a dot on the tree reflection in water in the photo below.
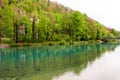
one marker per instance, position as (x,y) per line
(31,63)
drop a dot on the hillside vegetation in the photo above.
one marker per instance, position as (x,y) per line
(43,20)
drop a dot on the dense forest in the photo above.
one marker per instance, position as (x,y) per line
(43,20)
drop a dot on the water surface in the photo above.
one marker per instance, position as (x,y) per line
(72,62)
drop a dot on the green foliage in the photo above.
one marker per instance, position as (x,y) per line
(114,32)
(7,18)
(26,35)
(44,21)
(62,42)
(7,40)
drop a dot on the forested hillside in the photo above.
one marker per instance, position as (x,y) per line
(43,20)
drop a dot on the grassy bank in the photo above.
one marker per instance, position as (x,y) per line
(52,43)
(63,42)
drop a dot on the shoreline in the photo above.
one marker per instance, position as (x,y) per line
(4,46)
(50,43)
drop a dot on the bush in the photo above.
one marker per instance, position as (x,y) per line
(7,40)
(92,41)
(51,43)
(62,42)
(71,42)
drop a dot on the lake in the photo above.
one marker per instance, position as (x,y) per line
(70,62)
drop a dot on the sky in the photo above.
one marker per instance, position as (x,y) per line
(107,12)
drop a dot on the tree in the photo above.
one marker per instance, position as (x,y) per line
(114,32)
(12,1)
(7,19)
(42,20)
(0,25)
(78,25)
(34,19)
(0,31)
(3,3)
(25,28)
(43,28)
(16,30)
(48,2)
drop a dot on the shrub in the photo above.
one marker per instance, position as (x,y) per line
(51,43)
(7,40)
(62,42)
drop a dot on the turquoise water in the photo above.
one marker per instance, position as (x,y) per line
(51,62)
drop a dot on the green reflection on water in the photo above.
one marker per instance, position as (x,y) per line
(43,63)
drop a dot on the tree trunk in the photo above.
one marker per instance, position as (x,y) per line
(0,34)
(33,28)
(48,2)
(69,30)
(0,31)
(16,32)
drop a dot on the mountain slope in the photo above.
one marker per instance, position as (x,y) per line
(43,20)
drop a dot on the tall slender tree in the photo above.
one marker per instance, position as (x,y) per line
(33,27)
(15,21)
(34,19)
(0,25)
(16,31)
(0,31)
